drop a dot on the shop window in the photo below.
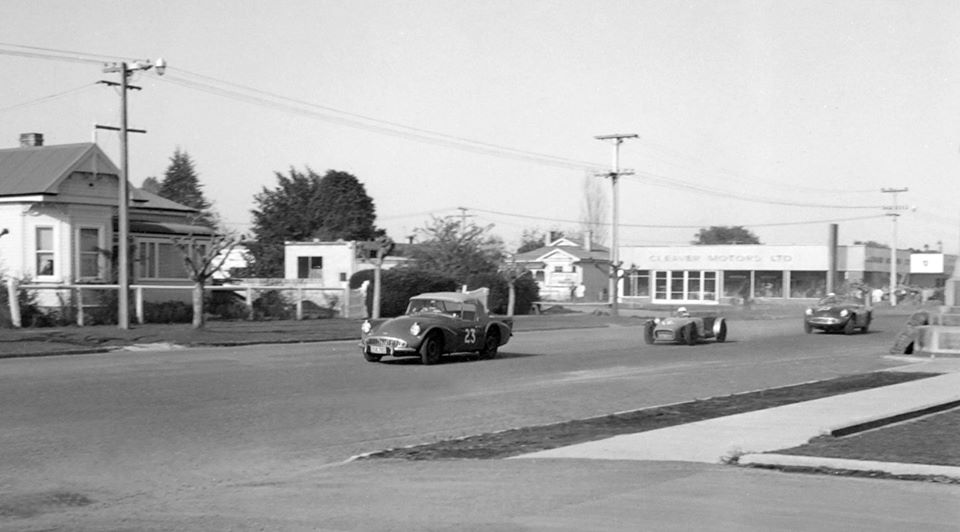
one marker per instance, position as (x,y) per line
(768,284)
(808,284)
(637,284)
(736,284)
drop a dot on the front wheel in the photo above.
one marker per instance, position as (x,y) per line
(851,326)
(370,357)
(431,350)
(866,325)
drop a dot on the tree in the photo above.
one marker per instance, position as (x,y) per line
(347,211)
(180,184)
(202,258)
(719,235)
(151,185)
(530,240)
(456,248)
(593,211)
(305,206)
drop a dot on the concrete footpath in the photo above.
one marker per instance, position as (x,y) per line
(744,438)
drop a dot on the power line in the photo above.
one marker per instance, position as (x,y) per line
(48,98)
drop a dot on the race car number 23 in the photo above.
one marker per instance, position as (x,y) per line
(470,335)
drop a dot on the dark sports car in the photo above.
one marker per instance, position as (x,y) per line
(685,329)
(834,313)
(434,324)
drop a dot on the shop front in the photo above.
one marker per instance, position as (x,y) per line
(722,274)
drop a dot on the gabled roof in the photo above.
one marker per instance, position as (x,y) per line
(39,169)
(596,254)
(34,170)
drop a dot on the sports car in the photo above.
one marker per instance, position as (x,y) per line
(437,323)
(847,313)
(685,329)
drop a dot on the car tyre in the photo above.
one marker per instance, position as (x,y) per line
(430,350)
(866,325)
(691,334)
(370,357)
(648,332)
(722,333)
(851,326)
(807,328)
(490,344)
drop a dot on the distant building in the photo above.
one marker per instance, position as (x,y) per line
(568,269)
(731,273)
(331,264)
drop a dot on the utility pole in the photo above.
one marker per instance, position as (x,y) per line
(894,214)
(463,219)
(614,176)
(123,201)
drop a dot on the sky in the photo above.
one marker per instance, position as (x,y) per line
(782,117)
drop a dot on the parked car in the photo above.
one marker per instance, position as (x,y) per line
(437,323)
(834,313)
(685,329)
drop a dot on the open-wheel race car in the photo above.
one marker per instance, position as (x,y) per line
(683,328)
(437,323)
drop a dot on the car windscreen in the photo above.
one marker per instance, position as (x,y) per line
(430,306)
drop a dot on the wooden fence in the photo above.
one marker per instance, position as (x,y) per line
(348,304)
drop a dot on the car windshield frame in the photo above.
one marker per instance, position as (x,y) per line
(429,305)
(843,299)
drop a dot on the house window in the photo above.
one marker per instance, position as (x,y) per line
(44,254)
(558,269)
(343,277)
(89,253)
(161,260)
(309,267)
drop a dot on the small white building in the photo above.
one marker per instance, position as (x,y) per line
(331,264)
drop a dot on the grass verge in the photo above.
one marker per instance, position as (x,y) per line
(518,441)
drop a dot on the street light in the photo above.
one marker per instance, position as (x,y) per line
(123,201)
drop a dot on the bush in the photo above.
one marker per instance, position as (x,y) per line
(527,291)
(31,315)
(398,285)
(225,305)
(271,304)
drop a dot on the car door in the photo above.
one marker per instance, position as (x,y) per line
(471,335)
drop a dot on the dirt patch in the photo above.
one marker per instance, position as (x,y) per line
(538,438)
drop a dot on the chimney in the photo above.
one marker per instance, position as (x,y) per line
(588,240)
(31,140)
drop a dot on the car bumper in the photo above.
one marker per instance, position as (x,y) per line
(826,321)
(385,345)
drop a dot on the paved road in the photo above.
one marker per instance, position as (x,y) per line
(235,438)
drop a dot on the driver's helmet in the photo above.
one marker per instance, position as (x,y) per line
(682,312)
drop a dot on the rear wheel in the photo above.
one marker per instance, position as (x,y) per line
(490,344)
(648,332)
(430,350)
(691,334)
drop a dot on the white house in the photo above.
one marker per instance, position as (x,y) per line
(331,264)
(569,270)
(58,217)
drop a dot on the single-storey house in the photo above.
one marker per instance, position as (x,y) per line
(568,269)
(58,221)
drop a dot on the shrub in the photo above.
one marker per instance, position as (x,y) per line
(167,312)
(271,304)
(527,291)
(225,305)
(398,285)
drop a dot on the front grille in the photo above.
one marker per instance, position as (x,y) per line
(392,343)
(664,335)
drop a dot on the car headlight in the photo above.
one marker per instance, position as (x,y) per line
(656,321)
(415,329)
(366,327)
(844,313)
(809,312)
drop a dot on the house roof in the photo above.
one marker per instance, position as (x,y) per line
(39,169)
(596,253)
(35,170)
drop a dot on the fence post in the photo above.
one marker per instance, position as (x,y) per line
(79,306)
(14,302)
(249,303)
(139,304)
(345,302)
(299,303)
